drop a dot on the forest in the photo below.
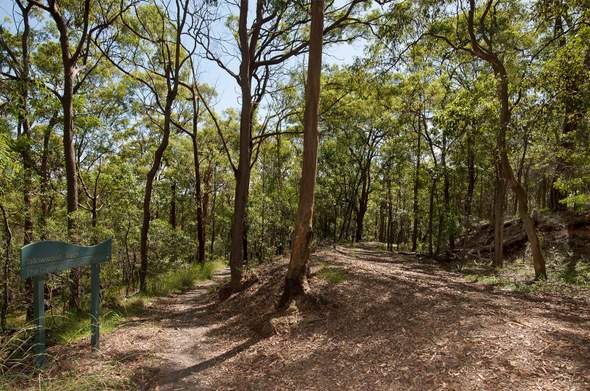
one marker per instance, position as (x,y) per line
(304,194)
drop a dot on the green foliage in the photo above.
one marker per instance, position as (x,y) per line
(577,273)
(567,276)
(182,279)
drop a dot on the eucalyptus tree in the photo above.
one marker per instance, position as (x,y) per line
(296,273)
(489,37)
(356,112)
(147,46)
(275,34)
(198,95)
(77,25)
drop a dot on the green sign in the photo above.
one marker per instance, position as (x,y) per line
(40,258)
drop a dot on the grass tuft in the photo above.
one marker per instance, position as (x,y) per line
(15,349)
(332,274)
(107,378)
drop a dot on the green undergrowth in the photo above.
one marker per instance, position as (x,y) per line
(332,274)
(568,278)
(181,279)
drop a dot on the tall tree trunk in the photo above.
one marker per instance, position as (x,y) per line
(400,205)
(24,125)
(502,91)
(345,228)
(67,99)
(517,188)
(416,209)
(243,171)
(382,223)
(389,217)
(199,200)
(470,181)
(147,196)
(296,273)
(206,193)
(213,220)
(439,234)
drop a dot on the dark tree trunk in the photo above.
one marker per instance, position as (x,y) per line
(24,125)
(363,202)
(213,203)
(400,204)
(499,196)
(416,209)
(389,217)
(200,200)
(470,181)
(347,218)
(440,228)
(382,227)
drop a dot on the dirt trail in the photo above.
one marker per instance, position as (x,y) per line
(394,324)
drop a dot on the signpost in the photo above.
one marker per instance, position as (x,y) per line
(40,258)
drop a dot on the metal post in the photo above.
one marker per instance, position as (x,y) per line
(39,309)
(95,305)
